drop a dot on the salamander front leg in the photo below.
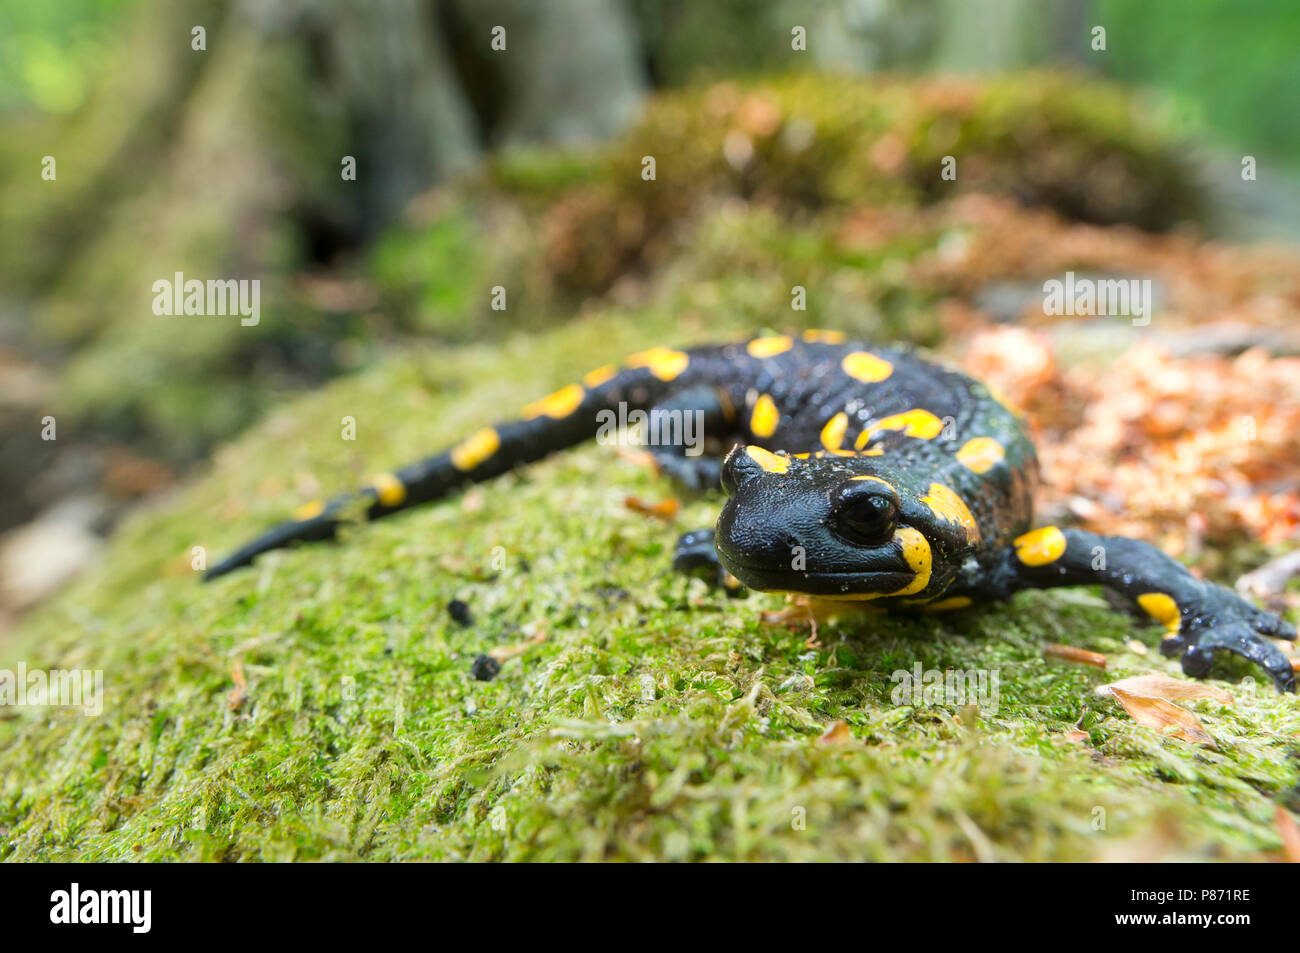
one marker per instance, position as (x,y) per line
(695,555)
(1200,618)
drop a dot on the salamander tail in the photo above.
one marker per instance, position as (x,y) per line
(564,419)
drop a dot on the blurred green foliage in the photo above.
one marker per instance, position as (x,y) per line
(688,41)
(52,52)
(1231,68)
(432,273)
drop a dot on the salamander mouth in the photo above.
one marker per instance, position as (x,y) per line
(825,584)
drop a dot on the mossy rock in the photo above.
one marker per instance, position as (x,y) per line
(557,227)
(657,719)
(811,147)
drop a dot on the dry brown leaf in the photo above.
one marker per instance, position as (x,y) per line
(1146,699)
(1290,834)
(794,616)
(1132,446)
(1069,653)
(969,717)
(641,458)
(126,474)
(664,509)
(837,732)
(1165,717)
(1159,685)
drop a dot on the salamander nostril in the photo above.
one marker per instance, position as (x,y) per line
(737,468)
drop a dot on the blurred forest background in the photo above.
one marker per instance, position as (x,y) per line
(478,167)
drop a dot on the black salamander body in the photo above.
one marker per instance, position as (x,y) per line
(853,473)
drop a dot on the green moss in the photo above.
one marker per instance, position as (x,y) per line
(566,225)
(543,173)
(810,142)
(658,719)
(435,274)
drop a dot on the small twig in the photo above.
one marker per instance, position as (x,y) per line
(1270,579)
(503,652)
(1068,653)
(237,695)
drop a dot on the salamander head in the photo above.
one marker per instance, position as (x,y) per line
(839,526)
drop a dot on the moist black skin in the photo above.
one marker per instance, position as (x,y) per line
(853,473)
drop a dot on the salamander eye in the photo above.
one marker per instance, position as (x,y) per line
(866,513)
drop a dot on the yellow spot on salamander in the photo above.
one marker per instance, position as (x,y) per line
(469,453)
(947,505)
(765,417)
(952,602)
(914,423)
(981,454)
(769,346)
(558,405)
(663,362)
(814,336)
(866,367)
(1041,546)
(823,454)
(389,489)
(771,462)
(916,551)
(833,432)
(309,510)
(874,479)
(599,376)
(1163,609)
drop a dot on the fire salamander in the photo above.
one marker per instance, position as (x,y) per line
(854,473)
